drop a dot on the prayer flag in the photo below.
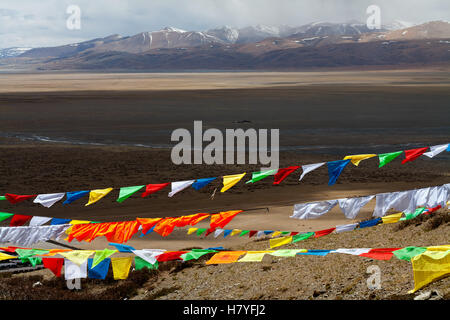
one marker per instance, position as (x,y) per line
(100,270)
(322,233)
(96,195)
(54,265)
(385,158)
(280,241)
(357,158)
(126,192)
(253,256)
(140,263)
(392,218)
(39,221)
(101,255)
(121,267)
(191,230)
(49,199)
(231,180)
(179,186)
(429,266)
(200,183)
(19,220)
(56,221)
(379,254)
(15,198)
(435,150)
(75,195)
(77,256)
(152,188)
(409,252)
(4,256)
(256,176)
(283,173)
(122,247)
(225,257)
(74,271)
(310,167)
(5,215)
(413,154)
(335,169)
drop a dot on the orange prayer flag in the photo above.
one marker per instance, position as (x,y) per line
(225,257)
(148,223)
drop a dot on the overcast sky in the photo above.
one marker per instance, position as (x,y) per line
(34,23)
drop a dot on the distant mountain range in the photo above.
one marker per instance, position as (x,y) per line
(318,44)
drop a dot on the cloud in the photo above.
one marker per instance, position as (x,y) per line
(43,23)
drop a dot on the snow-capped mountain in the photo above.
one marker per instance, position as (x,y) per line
(225,33)
(12,52)
(398,24)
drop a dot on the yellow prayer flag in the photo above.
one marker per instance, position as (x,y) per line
(121,267)
(235,231)
(254,256)
(357,158)
(392,218)
(4,256)
(276,233)
(439,248)
(229,181)
(429,266)
(192,230)
(96,195)
(77,256)
(280,241)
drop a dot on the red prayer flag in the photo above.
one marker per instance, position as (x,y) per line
(293,233)
(413,154)
(16,198)
(152,188)
(283,173)
(171,255)
(380,254)
(431,210)
(54,265)
(19,220)
(323,232)
(252,233)
(11,249)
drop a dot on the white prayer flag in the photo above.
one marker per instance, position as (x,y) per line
(313,210)
(39,221)
(74,271)
(352,206)
(180,186)
(310,167)
(435,150)
(49,199)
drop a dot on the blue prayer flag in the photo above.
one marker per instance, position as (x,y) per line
(75,195)
(200,183)
(100,270)
(56,221)
(334,170)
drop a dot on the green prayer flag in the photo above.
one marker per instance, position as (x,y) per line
(2,198)
(409,216)
(101,255)
(283,233)
(408,252)
(127,192)
(5,215)
(302,236)
(385,158)
(195,254)
(256,176)
(200,231)
(27,255)
(244,232)
(140,263)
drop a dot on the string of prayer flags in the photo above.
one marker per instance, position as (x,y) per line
(256,176)
(16,198)
(152,188)
(5,215)
(435,150)
(126,192)
(283,173)
(121,267)
(231,180)
(200,183)
(100,270)
(180,186)
(49,199)
(321,253)
(75,195)
(413,154)
(96,195)
(310,167)
(54,265)
(335,169)
(429,266)
(357,158)
(385,158)
(225,257)
(19,220)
